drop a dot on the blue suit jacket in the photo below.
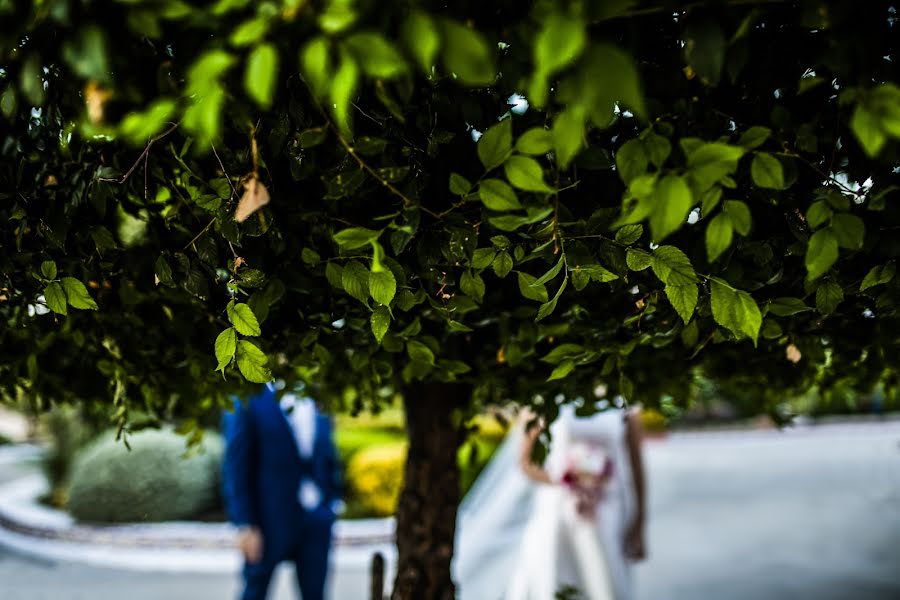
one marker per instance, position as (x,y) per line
(262,469)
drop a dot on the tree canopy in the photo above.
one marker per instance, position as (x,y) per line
(526,198)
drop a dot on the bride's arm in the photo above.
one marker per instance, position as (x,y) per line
(531,470)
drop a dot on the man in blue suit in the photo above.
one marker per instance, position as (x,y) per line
(281,483)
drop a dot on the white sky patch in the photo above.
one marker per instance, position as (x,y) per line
(40,308)
(852,188)
(518,104)
(694,216)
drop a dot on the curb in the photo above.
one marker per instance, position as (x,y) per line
(30,528)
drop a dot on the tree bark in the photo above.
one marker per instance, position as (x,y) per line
(426,512)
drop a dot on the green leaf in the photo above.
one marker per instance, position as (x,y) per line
(597,273)
(537,141)
(611,78)
(243,319)
(343,91)
(77,294)
(658,148)
(849,231)
(456,367)
(419,352)
(87,54)
(261,74)
(334,273)
(674,269)
(867,128)
(549,275)
(818,214)
(355,281)
(704,49)
(526,174)
(568,135)
(632,160)
(226,346)
(483,257)
(355,237)
(559,43)
(467,55)
(718,236)
(497,195)
(683,299)
(30,81)
(878,275)
(754,137)
(786,307)
(252,362)
(249,32)
(315,64)
(422,39)
(377,57)
(710,163)
(828,296)
(472,285)
(380,321)
(310,256)
(513,222)
(48,269)
(163,272)
(382,286)
(495,146)
(739,214)
(629,234)
(637,260)
(547,308)
(459,185)
(55,297)
(562,352)
(310,138)
(503,264)
(672,204)
(771,329)
(139,126)
(672,266)
(710,200)
(537,293)
(767,171)
(735,310)
(562,370)
(821,253)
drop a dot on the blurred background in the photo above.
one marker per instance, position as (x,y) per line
(740,507)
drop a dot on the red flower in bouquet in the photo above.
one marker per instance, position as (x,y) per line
(586,477)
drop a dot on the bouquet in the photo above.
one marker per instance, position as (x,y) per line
(589,469)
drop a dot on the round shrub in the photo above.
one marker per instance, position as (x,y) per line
(375,478)
(159,479)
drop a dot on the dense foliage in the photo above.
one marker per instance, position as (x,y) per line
(198,195)
(155,481)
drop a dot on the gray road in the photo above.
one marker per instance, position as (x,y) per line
(805,514)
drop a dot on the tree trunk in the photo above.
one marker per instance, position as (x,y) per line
(426,512)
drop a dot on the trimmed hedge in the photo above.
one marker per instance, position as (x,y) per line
(159,479)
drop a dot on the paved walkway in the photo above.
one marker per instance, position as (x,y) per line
(804,514)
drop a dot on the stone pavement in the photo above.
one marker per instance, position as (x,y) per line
(811,513)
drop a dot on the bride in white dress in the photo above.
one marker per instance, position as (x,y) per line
(526,532)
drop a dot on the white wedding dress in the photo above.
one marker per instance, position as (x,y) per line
(521,540)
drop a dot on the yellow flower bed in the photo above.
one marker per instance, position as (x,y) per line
(375,477)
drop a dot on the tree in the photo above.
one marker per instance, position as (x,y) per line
(465,203)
